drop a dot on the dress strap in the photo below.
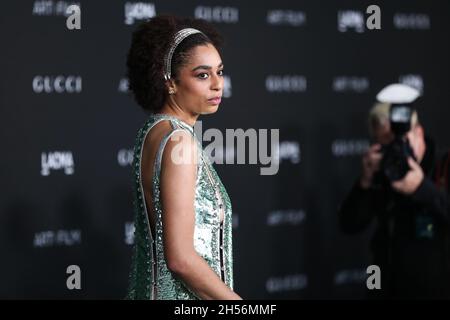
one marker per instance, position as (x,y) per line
(159,154)
(177,125)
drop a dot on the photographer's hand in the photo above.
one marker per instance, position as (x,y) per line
(370,165)
(411,181)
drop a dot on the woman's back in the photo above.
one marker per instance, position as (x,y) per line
(149,150)
(150,277)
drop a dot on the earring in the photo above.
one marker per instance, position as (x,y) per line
(171,91)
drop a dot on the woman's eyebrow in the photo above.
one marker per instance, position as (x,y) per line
(207,67)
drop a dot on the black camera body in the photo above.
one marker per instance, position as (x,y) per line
(394,164)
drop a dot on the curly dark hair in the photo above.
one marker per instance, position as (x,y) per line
(145,61)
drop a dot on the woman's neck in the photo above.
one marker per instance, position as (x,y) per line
(174,110)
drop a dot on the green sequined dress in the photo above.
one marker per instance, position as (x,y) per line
(150,277)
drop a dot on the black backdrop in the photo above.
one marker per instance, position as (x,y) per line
(308,68)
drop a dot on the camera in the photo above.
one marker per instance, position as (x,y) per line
(394,164)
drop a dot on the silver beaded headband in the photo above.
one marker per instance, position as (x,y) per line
(179,36)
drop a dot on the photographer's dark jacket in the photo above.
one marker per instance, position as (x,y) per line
(411,240)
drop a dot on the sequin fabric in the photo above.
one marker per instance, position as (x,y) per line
(149,276)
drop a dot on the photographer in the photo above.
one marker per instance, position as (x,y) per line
(404,189)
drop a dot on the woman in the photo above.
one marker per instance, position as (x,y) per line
(183,241)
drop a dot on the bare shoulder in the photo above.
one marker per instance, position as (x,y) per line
(180,150)
(156,135)
(158,131)
(179,170)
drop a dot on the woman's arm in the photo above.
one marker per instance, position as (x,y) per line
(177,195)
